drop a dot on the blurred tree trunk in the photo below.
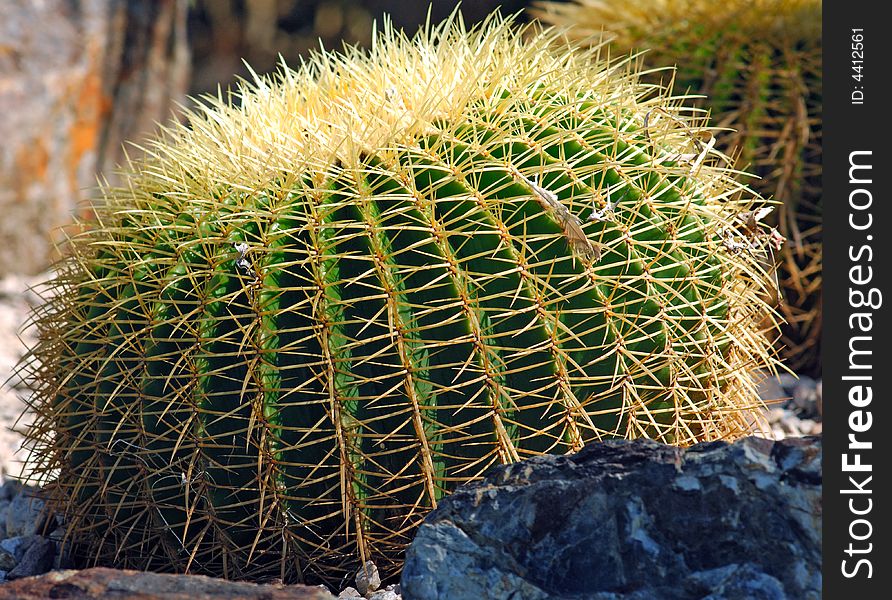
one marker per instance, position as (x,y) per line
(78,78)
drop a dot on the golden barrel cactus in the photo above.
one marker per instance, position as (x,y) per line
(315,310)
(758,65)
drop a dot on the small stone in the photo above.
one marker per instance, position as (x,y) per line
(38,559)
(16,546)
(383,595)
(805,381)
(349,593)
(62,558)
(791,426)
(788,382)
(805,396)
(25,515)
(769,389)
(819,397)
(776,415)
(808,426)
(367,578)
(4,508)
(10,489)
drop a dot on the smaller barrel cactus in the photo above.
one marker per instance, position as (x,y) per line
(757,64)
(313,312)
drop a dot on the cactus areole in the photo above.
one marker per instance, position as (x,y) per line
(311,313)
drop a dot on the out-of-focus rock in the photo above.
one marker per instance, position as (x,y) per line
(771,389)
(77,80)
(805,397)
(112,584)
(37,560)
(16,546)
(8,561)
(26,515)
(367,578)
(631,520)
(383,595)
(819,400)
(10,489)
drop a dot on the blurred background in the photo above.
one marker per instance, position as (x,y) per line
(223,32)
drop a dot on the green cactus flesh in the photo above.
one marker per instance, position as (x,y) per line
(279,380)
(757,66)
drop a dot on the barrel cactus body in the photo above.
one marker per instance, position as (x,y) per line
(313,312)
(758,66)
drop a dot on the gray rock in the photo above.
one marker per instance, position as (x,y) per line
(747,582)
(367,578)
(63,560)
(25,516)
(16,546)
(788,382)
(4,508)
(805,396)
(631,521)
(792,425)
(349,593)
(769,388)
(810,427)
(10,489)
(383,595)
(7,561)
(38,559)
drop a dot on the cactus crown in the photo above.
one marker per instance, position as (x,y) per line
(313,312)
